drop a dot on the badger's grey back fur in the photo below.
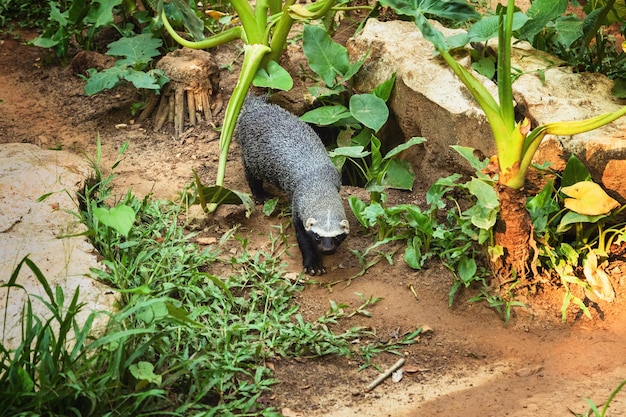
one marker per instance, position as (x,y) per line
(279,148)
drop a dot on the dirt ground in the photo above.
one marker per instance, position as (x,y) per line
(467,364)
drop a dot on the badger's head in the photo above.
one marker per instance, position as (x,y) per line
(328,235)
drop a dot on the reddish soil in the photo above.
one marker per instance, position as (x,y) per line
(469,363)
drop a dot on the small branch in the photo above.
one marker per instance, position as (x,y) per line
(385,374)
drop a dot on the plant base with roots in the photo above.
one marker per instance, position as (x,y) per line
(194,77)
(514,233)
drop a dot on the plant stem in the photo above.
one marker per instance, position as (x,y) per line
(252,59)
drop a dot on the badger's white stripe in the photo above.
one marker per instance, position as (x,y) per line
(329,229)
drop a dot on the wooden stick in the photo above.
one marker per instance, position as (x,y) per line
(385,374)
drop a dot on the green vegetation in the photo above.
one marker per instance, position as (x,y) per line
(183,341)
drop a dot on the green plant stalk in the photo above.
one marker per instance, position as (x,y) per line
(226,36)
(279,37)
(253,56)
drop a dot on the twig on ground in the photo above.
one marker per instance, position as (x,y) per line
(385,374)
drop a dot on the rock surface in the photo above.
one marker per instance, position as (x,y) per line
(32,228)
(428,100)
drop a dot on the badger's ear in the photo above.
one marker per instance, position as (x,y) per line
(345,226)
(309,223)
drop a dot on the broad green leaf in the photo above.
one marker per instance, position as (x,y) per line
(326,58)
(152,80)
(276,77)
(540,13)
(102,14)
(399,175)
(144,371)
(482,217)
(568,30)
(485,67)
(103,80)
(137,49)
(326,115)
(269,206)
(404,146)
(467,269)
(358,207)
(487,27)
(120,217)
(77,11)
(383,90)
(485,193)
(575,171)
(413,255)
(456,10)
(370,110)
(470,156)
(572,217)
(56,15)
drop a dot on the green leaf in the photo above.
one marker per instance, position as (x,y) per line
(326,115)
(456,10)
(358,207)
(370,110)
(269,206)
(383,90)
(574,172)
(326,58)
(404,146)
(487,27)
(467,269)
(540,13)
(151,80)
(484,192)
(120,217)
(276,77)
(571,217)
(485,66)
(189,19)
(412,253)
(399,175)
(102,14)
(137,49)
(104,80)
(568,30)
(350,152)
(144,371)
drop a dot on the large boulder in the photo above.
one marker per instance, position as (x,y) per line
(429,100)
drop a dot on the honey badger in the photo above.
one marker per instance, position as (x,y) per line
(279,148)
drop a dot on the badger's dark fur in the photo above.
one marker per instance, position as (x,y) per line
(279,148)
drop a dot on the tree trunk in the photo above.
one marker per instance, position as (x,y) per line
(514,233)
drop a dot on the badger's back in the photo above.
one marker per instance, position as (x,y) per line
(280,148)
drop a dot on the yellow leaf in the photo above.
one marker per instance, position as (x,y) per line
(588,198)
(598,279)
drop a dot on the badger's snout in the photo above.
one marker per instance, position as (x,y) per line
(327,245)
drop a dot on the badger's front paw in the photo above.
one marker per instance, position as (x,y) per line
(314,267)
